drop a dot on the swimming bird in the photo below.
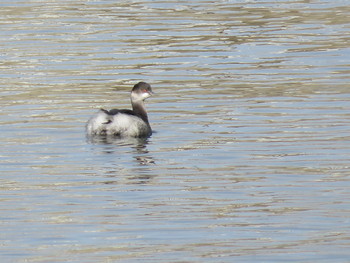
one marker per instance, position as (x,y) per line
(124,122)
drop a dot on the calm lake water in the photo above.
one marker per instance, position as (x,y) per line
(250,159)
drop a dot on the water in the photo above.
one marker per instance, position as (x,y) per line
(249,161)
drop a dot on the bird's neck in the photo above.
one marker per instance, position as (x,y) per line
(140,110)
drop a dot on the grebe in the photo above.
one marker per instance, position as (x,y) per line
(124,123)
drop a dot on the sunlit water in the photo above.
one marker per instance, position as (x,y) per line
(250,159)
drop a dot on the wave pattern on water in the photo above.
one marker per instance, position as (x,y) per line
(250,155)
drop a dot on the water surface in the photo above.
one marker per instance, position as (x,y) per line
(249,161)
